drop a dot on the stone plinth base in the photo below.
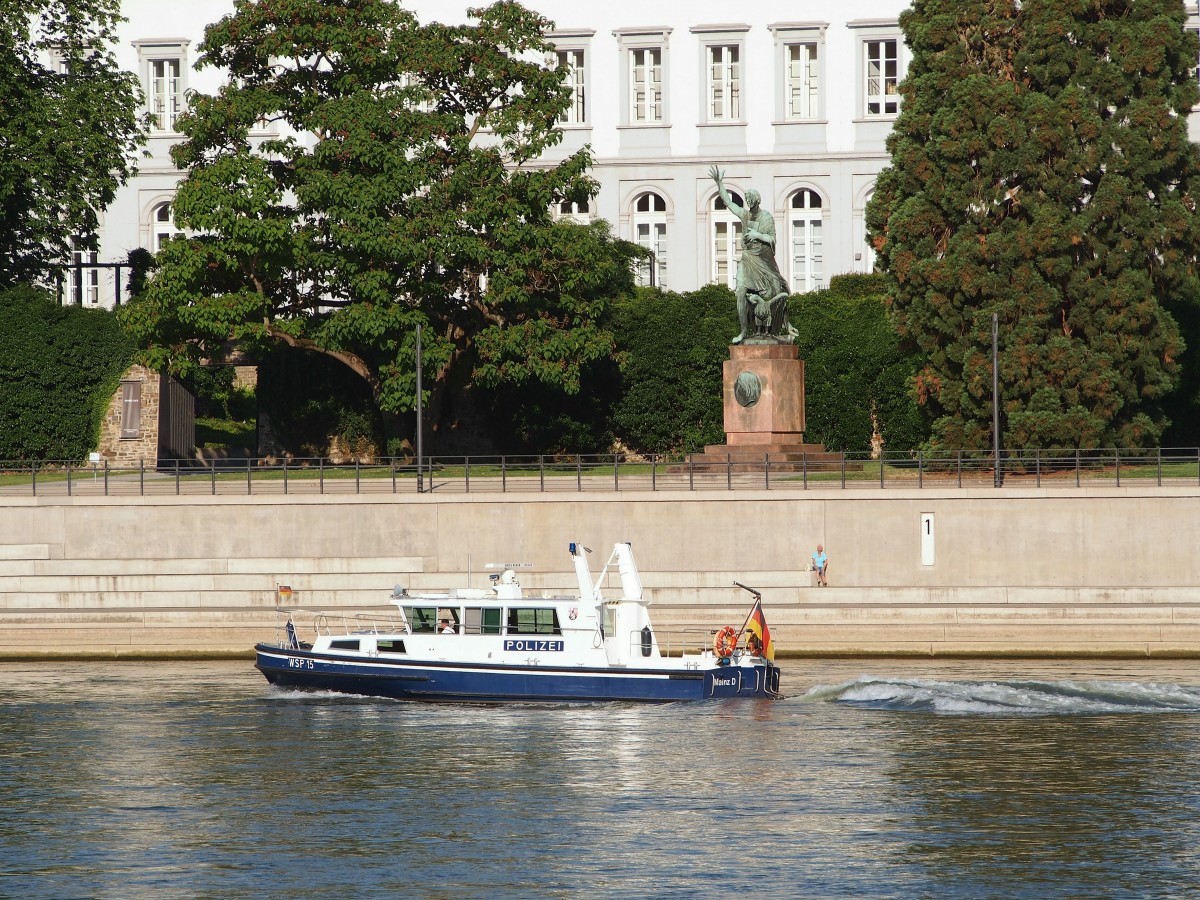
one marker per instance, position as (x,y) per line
(764,415)
(796,457)
(764,393)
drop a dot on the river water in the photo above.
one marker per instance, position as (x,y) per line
(873,778)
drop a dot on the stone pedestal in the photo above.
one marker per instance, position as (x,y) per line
(764,395)
(764,414)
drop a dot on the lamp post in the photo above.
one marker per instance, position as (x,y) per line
(998,477)
(420,415)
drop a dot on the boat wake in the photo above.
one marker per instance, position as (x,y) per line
(1009,697)
(296,695)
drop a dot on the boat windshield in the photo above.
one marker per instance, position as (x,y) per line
(422,619)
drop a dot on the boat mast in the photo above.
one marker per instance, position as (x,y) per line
(587,591)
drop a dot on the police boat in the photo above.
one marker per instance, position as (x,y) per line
(497,645)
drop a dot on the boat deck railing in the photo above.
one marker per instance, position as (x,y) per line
(359,623)
(675,641)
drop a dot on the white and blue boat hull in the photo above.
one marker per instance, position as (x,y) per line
(402,679)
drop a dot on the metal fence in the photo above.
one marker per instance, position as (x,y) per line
(606,473)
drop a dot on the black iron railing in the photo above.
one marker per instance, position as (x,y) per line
(607,472)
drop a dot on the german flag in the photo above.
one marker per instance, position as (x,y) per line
(756,625)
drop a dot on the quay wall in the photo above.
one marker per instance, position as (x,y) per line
(1015,571)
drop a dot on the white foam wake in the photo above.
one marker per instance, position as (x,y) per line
(1011,697)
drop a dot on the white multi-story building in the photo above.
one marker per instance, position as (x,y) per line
(793,99)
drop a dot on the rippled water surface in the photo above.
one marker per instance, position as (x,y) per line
(873,779)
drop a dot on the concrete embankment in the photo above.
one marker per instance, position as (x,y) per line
(1033,572)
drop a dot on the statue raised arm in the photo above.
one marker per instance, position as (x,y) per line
(719,177)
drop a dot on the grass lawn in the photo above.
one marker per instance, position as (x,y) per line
(215,433)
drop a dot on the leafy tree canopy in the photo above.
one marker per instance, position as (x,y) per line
(405,190)
(67,131)
(1041,171)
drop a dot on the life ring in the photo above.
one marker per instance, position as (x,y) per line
(725,642)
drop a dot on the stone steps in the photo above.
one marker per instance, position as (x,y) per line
(810,628)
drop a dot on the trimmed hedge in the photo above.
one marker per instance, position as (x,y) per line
(855,368)
(60,366)
(673,347)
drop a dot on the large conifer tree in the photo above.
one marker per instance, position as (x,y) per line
(1041,170)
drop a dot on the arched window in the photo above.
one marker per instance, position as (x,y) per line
(650,231)
(867,261)
(726,240)
(807,252)
(162,225)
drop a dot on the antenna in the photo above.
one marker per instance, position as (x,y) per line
(757,594)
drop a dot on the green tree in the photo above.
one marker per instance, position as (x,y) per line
(408,189)
(1041,171)
(67,133)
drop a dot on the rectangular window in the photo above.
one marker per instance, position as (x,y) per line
(533,621)
(882,81)
(726,251)
(421,619)
(724,91)
(485,620)
(84,276)
(413,85)
(389,645)
(572,62)
(645,84)
(131,409)
(802,81)
(653,236)
(165,94)
(807,255)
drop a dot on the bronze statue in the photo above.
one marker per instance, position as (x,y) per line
(761,291)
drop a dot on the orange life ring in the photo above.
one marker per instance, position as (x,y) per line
(725,642)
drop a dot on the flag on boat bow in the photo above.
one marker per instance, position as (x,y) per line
(756,625)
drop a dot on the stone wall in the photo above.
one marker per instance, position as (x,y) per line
(245,377)
(144,447)
(1039,572)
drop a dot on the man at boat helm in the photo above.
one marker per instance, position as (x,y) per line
(447,628)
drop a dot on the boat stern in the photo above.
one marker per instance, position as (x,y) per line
(724,682)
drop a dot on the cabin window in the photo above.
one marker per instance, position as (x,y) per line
(485,620)
(533,621)
(388,645)
(344,644)
(422,619)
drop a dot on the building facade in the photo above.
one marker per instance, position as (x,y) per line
(794,100)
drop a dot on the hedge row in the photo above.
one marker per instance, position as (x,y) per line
(856,373)
(59,366)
